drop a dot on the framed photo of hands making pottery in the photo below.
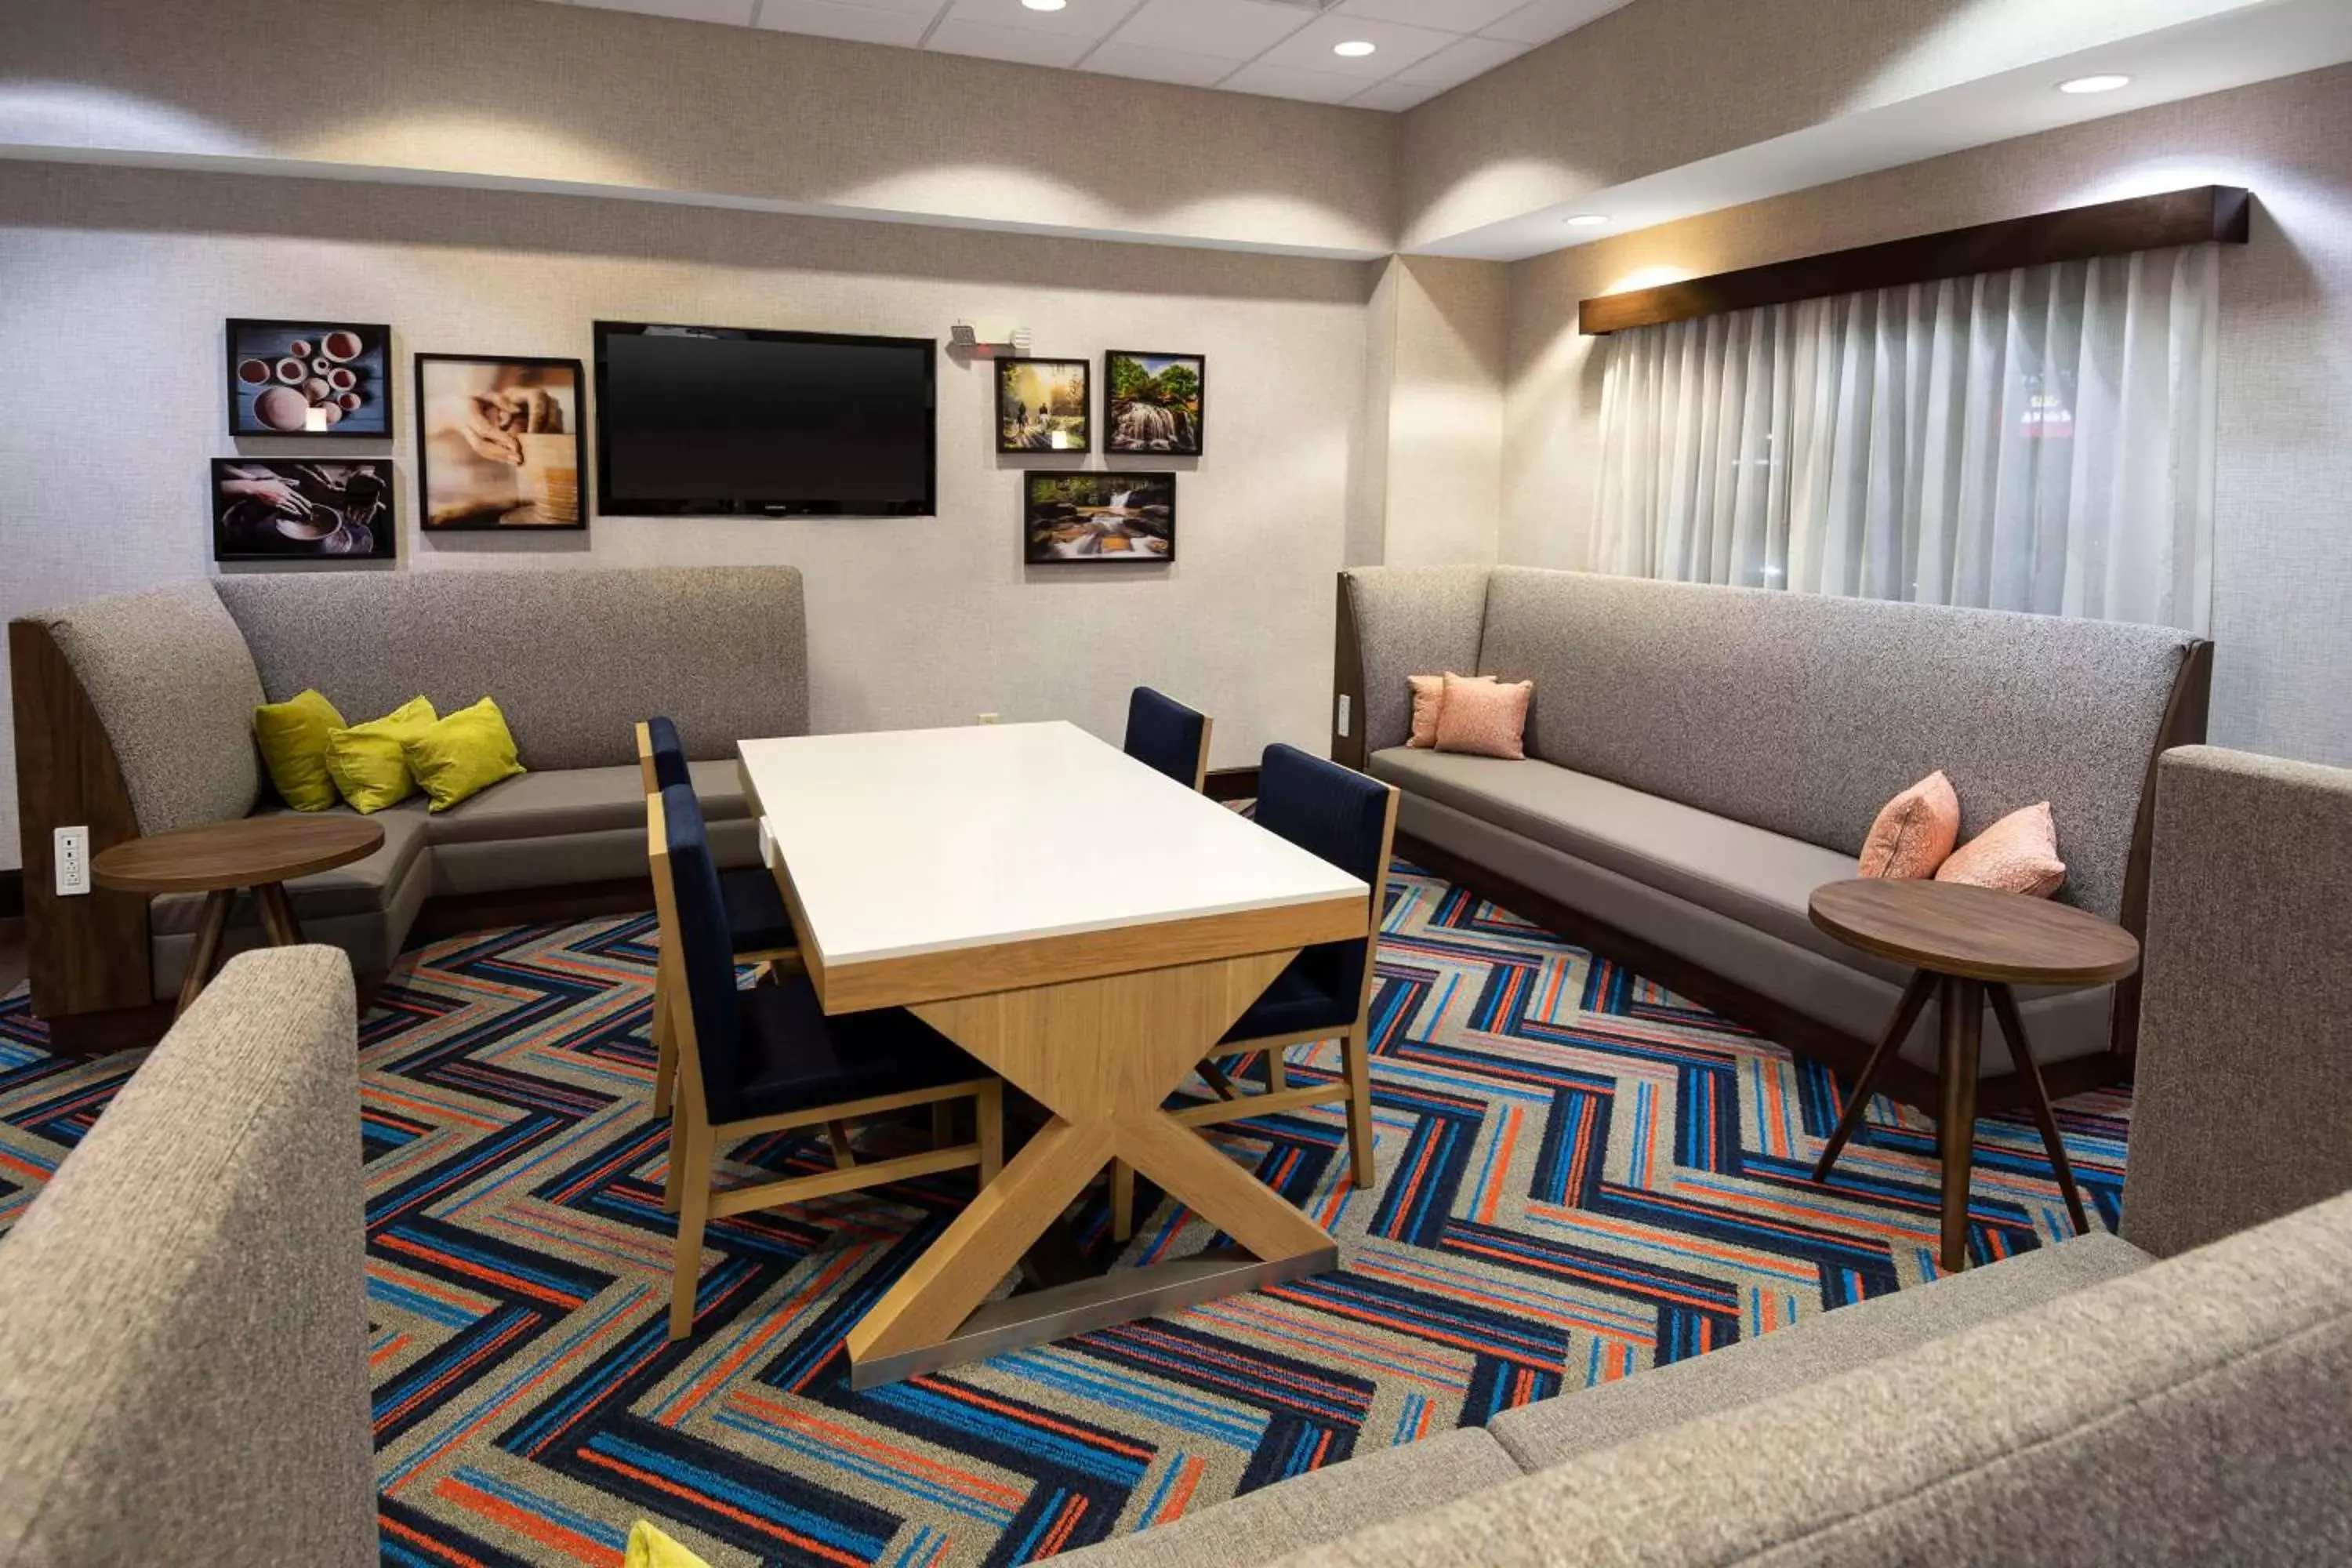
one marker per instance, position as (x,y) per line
(501,442)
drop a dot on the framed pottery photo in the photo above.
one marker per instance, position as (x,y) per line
(1155,403)
(303,508)
(500,443)
(311,379)
(1097,518)
(1042,405)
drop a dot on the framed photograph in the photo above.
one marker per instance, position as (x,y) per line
(1155,403)
(303,508)
(500,443)
(1042,405)
(311,379)
(1097,518)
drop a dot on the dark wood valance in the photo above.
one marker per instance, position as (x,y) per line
(2207,213)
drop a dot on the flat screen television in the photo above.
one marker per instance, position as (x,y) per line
(701,420)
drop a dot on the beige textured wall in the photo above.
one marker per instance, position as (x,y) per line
(2283,591)
(1444,444)
(114,284)
(1661,83)
(519,89)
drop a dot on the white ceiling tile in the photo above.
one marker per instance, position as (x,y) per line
(738,12)
(1229,29)
(1545,20)
(830,19)
(1450,16)
(1079,18)
(1283,81)
(1031,46)
(1397,46)
(1117,59)
(1456,63)
(1393,96)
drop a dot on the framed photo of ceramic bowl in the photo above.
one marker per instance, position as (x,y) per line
(1095,519)
(500,443)
(316,380)
(303,508)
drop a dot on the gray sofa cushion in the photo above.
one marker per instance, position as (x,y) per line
(2190,1413)
(575,658)
(1803,714)
(1809,1351)
(1754,876)
(575,801)
(1411,620)
(361,885)
(174,684)
(1320,1505)
(186,1331)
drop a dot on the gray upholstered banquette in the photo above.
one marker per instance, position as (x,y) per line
(1701,758)
(574,659)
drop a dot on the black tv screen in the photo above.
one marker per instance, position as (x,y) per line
(717,420)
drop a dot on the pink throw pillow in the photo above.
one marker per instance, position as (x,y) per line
(1485,717)
(1915,831)
(1428,697)
(2018,854)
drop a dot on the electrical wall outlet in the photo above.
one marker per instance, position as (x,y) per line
(1343,716)
(70,854)
(988,718)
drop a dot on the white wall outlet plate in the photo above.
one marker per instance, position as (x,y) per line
(70,854)
(1344,716)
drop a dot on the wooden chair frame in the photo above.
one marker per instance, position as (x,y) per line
(771,961)
(1355,1085)
(688,1190)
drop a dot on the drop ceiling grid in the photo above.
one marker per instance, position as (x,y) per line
(1266,46)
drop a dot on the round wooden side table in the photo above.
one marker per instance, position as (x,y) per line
(1969,946)
(262,853)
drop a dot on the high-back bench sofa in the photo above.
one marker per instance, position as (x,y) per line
(1700,759)
(134,716)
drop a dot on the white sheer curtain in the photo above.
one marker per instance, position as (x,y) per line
(2040,440)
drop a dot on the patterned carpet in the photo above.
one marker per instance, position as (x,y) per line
(1581,1177)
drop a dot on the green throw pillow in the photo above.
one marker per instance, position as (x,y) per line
(463,755)
(293,737)
(366,760)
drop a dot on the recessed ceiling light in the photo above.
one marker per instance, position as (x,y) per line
(1586,220)
(2082,84)
(1044,4)
(1354,49)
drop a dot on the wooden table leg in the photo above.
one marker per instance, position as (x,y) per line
(1962,1006)
(207,948)
(277,915)
(1906,1013)
(2004,1008)
(1100,1054)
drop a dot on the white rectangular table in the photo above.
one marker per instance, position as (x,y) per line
(1088,928)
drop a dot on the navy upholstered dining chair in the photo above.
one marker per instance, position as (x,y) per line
(767,1059)
(1169,736)
(1350,820)
(757,922)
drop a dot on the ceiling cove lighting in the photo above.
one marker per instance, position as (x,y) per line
(2083,84)
(1586,220)
(1354,49)
(1044,4)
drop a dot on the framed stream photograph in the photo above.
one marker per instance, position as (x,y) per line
(1043,406)
(1155,403)
(500,443)
(303,508)
(311,379)
(1097,518)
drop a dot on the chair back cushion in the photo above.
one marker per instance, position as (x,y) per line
(1803,714)
(1336,813)
(574,657)
(670,753)
(1166,734)
(706,952)
(175,687)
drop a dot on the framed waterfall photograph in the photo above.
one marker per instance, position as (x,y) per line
(1097,518)
(1155,403)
